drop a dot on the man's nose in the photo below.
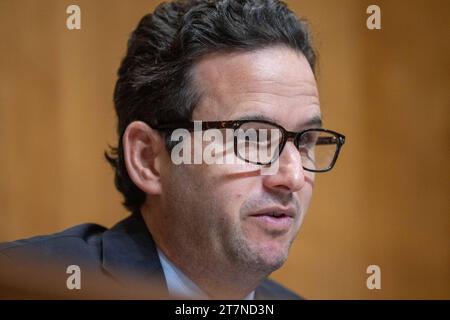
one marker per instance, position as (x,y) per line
(290,176)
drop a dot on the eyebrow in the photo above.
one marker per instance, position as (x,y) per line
(314,122)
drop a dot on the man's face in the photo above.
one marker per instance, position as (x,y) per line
(221,213)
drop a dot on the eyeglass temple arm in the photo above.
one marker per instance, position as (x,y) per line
(330,140)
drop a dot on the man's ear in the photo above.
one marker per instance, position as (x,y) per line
(143,148)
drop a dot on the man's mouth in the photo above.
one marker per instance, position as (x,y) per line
(277,220)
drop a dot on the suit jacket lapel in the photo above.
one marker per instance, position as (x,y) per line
(129,251)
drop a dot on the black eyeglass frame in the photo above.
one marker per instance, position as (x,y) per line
(286,135)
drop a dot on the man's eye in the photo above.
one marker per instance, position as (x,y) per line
(308,139)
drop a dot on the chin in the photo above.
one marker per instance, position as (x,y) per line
(259,252)
(270,256)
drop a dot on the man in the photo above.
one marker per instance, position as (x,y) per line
(208,230)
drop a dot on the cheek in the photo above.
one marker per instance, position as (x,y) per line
(229,187)
(305,194)
(219,186)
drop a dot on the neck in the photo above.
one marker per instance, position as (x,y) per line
(212,273)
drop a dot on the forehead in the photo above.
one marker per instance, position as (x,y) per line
(276,83)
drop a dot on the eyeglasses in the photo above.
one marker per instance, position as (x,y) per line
(261,142)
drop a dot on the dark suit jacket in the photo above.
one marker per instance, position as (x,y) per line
(127,249)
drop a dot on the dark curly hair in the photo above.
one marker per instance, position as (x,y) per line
(155,78)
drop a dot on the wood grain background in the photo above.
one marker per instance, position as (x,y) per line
(386,202)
